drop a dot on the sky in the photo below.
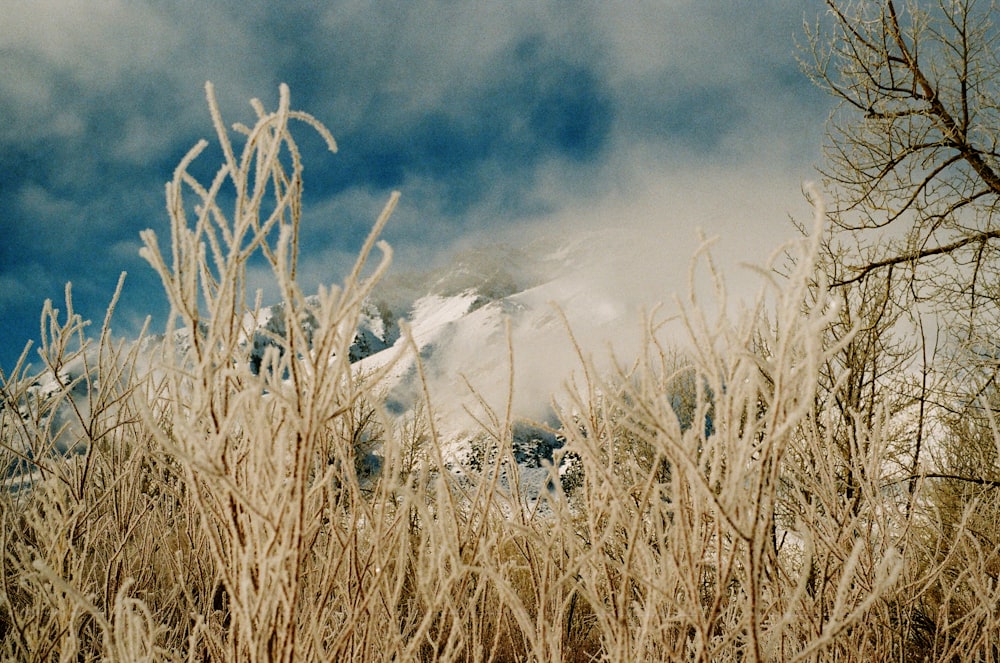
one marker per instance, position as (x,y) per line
(496,120)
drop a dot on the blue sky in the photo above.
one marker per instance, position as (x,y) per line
(495,120)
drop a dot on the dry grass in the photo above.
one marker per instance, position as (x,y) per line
(213,512)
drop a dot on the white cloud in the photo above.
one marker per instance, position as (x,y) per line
(111,82)
(67,58)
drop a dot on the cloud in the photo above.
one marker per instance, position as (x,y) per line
(488,116)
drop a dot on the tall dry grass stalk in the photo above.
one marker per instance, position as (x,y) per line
(172,500)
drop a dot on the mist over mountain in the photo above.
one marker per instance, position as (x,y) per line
(468,320)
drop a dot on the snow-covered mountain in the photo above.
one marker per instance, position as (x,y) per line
(491,308)
(460,319)
(468,321)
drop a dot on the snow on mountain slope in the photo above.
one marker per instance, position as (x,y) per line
(468,321)
(52,409)
(466,340)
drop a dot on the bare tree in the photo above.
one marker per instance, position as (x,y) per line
(913,166)
(912,156)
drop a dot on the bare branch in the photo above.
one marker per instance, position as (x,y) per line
(917,256)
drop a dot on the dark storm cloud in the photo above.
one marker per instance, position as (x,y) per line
(484,114)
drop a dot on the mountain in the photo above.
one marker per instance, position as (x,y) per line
(469,320)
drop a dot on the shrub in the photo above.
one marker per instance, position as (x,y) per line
(215,508)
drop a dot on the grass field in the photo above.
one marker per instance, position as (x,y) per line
(184,505)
